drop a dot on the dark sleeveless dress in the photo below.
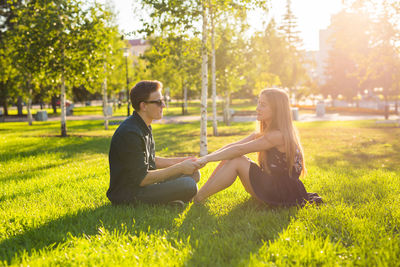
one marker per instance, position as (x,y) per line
(277,188)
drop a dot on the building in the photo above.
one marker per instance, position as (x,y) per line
(323,54)
(138,46)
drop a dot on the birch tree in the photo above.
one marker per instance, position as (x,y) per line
(204,84)
(177,16)
(213,75)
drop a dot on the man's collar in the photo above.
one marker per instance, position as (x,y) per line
(141,122)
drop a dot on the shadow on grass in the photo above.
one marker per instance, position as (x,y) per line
(30,173)
(39,189)
(355,159)
(216,240)
(65,147)
(377,148)
(84,223)
(230,239)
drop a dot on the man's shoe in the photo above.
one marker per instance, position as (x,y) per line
(196,176)
(177,203)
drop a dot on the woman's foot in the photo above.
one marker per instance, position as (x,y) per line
(197,199)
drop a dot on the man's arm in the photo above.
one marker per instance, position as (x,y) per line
(187,166)
(162,163)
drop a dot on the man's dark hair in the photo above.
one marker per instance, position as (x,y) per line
(141,92)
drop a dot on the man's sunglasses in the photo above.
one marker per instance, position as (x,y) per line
(159,102)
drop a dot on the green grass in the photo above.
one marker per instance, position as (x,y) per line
(53,208)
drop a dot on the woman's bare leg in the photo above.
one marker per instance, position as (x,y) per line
(219,166)
(225,176)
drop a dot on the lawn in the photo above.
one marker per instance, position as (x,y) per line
(53,208)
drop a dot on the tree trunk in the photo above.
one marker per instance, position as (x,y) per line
(204,86)
(213,80)
(127,88)
(227,112)
(29,106)
(19,105)
(54,104)
(386,108)
(62,106)
(105,100)
(114,102)
(3,103)
(5,108)
(396,104)
(185,99)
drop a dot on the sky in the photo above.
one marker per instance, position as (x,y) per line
(312,15)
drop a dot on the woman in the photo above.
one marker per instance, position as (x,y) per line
(275,180)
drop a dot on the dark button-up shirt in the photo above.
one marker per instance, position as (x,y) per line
(131,156)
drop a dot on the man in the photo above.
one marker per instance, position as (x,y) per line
(136,174)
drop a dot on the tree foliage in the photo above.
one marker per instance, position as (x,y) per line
(54,46)
(366,56)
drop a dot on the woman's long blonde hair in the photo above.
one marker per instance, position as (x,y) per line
(281,119)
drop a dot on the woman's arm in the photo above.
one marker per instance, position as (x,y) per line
(244,140)
(264,142)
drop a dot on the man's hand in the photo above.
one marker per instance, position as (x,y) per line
(189,166)
(202,162)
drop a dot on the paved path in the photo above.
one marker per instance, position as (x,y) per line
(182,119)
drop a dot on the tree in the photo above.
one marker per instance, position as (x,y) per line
(295,72)
(9,76)
(289,27)
(106,54)
(231,14)
(9,80)
(213,73)
(268,59)
(365,56)
(381,67)
(230,64)
(175,16)
(349,45)
(204,83)
(72,45)
(28,40)
(175,60)
(62,43)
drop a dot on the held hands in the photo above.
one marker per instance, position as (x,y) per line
(192,164)
(202,162)
(189,165)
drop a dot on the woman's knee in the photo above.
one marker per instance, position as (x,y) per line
(239,161)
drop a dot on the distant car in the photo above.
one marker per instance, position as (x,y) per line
(67,103)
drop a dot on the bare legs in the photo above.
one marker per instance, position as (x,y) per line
(224,176)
